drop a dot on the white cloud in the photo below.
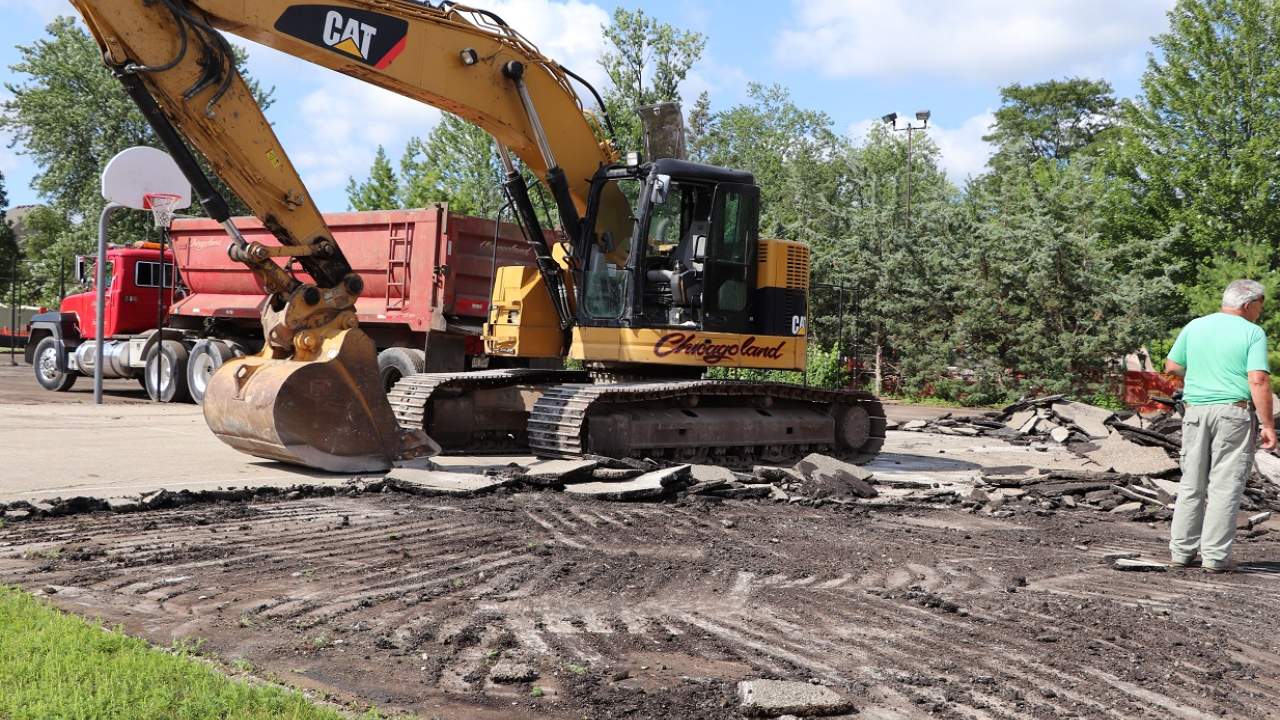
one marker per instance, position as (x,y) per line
(964,153)
(344,121)
(968,39)
(331,124)
(567,32)
(725,84)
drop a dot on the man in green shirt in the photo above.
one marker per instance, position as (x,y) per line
(1223,358)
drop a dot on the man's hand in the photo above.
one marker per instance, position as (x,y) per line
(1268,438)
(1173,368)
(1260,389)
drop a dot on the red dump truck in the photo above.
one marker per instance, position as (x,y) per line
(427,276)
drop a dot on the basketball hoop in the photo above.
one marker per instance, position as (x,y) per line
(162,207)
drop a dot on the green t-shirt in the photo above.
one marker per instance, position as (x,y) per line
(1218,352)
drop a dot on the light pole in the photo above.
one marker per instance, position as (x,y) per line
(910,129)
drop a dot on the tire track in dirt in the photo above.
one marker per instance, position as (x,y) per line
(911,614)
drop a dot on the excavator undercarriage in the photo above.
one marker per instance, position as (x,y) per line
(562,414)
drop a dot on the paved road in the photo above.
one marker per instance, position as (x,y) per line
(62,445)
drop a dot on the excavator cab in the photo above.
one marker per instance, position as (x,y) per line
(683,254)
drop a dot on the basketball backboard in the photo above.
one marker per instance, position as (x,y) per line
(138,171)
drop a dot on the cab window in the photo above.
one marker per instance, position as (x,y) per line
(147,274)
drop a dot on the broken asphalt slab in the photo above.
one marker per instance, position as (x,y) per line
(439,482)
(827,477)
(551,473)
(1138,565)
(1117,454)
(771,698)
(1091,420)
(648,486)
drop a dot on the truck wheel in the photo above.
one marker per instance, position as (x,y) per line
(206,357)
(166,372)
(397,362)
(45,362)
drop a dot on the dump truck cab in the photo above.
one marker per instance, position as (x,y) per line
(138,288)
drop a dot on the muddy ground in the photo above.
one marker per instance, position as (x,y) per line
(656,610)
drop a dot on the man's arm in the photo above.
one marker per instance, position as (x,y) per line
(1260,389)
(1174,368)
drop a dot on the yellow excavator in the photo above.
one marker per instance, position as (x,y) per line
(656,276)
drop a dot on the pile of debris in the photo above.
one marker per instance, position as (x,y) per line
(815,480)
(1119,443)
(1136,457)
(1136,497)
(1028,420)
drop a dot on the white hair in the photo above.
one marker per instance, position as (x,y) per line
(1242,292)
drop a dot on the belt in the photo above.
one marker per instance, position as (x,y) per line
(1246,404)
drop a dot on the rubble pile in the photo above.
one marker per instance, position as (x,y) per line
(1136,497)
(816,480)
(1052,418)
(1136,457)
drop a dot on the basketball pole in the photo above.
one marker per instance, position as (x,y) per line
(100,274)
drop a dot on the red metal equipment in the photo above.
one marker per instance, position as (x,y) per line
(426,272)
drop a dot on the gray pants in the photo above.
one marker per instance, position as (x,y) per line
(1217,455)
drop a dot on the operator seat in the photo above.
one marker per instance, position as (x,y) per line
(691,256)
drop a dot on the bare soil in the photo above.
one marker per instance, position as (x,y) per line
(656,610)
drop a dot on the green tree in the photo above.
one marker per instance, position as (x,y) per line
(1052,119)
(1198,152)
(71,116)
(380,192)
(898,263)
(456,164)
(787,148)
(646,62)
(9,251)
(1048,305)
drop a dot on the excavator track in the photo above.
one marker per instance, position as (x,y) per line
(732,423)
(486,410)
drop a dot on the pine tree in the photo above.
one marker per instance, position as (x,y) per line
(457,164)
(380,192)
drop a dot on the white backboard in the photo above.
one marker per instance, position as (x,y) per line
(134,172)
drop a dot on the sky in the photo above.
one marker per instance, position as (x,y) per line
(855,60)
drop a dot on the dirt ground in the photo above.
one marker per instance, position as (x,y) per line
(656,610)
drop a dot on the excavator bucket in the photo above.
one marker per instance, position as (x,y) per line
(329,413)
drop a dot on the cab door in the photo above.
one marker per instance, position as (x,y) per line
(730,272)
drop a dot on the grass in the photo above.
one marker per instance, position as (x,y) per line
(54,665)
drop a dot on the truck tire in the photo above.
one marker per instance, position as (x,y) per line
(397,362)
(206,357)
(166,372)
(45,361)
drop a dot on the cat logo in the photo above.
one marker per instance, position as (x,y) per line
(350,36)
(369,37)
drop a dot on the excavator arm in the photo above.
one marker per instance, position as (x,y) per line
(454,58)
(311,397)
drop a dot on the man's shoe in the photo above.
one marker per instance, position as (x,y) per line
(1184,562)
(1222,568)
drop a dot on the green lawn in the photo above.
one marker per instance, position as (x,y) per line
(55,665)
